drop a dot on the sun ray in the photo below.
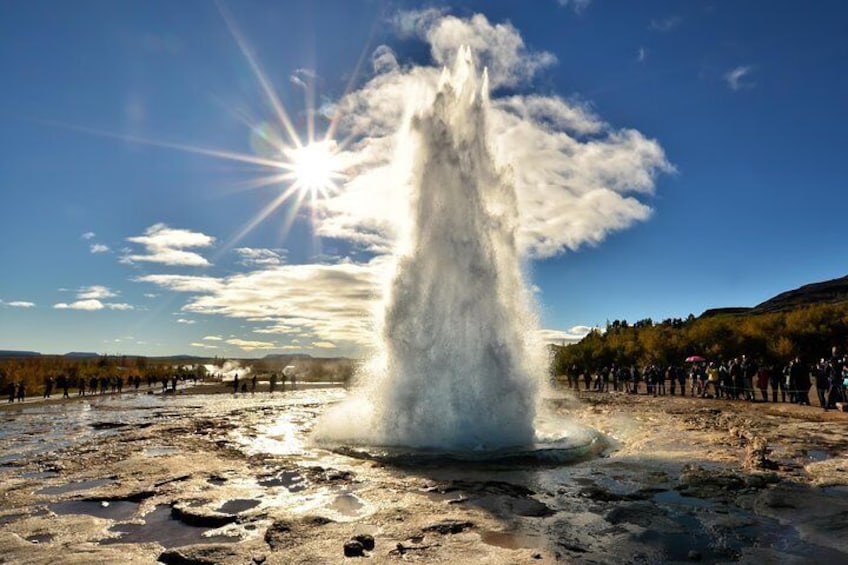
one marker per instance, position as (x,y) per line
(258,219)
(219,153)
(331,129)
(273,99)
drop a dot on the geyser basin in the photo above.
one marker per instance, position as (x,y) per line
(541,454)
(460,362)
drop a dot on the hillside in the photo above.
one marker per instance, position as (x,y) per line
(826,292)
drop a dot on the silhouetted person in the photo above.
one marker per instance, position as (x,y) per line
(763,379)
(235,384)
(48,387)
(253,385)
(822,377)
(12,390)
(775,378)
(174,383)
(81,387)
(273,382)
(66,384)
(21,392)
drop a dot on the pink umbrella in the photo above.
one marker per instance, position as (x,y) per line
(694,359)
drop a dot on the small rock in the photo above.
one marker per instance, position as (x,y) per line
(537,556)
(353,548)
(693,555)
(366,540)
(446,527)
(259,559)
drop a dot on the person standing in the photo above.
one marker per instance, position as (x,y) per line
(736,379)
(763,378)
(12,390)
(838,370)
(821,373)
(725,383)
(21,392)
(775,382)
(235,384)
(712,379)
(272,383)
(800,379)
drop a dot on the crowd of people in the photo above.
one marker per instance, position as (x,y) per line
(95,385)
(740,378)
(103,385)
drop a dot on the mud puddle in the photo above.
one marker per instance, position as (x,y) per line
(238,505)
(160,527)
(117,510)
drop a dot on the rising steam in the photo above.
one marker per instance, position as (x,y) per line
(459,366)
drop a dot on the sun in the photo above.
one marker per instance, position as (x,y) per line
(314,167)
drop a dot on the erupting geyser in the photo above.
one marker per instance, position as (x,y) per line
(459,366)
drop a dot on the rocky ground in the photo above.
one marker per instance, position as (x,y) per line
(206,478)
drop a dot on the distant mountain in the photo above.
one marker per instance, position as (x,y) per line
(287,356)
(11,353)
(826,292)
(81,355)
(183,357)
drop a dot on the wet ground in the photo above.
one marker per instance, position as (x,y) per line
(199,477)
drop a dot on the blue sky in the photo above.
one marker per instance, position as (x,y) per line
(728,189)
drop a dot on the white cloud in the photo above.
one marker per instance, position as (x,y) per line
(95,292)
(257,256)
(80,305)
(577,5)
(735,78)
(324,344)
(328,303)
(251,345)
(212,338)
(168,246)
(150,295)
(577,178)
(18,304)
(186,321)
(384,60)
(88,235)
(89,298)
(558,337)
(303,77)
(183,283)
(642,54)
(99,248)
(203,345)
(666,24)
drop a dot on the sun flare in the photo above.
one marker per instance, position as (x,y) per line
(314,167)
